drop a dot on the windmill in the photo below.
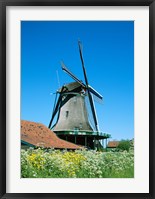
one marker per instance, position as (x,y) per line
(74,110)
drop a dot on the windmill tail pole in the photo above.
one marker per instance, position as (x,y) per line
(49,126)
(58,78)
(56,107)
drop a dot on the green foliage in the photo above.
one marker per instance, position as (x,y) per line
(39,163)
(124,145)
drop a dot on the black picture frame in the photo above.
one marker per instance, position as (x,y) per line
(3,6)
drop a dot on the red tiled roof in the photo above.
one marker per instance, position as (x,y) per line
(39,135)
(113,144)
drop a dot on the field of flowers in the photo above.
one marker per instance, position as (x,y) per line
(52,163)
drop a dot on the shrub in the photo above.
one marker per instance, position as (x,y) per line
(124,145)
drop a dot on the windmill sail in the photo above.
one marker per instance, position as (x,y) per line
(89,114)
(89,94)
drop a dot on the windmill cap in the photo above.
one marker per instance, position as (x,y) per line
(69,87)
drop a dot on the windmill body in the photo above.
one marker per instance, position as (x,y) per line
(73,115)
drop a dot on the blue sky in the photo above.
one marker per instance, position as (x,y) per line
(108,51)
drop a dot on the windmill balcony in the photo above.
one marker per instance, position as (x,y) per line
(83,138)
(82,132)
